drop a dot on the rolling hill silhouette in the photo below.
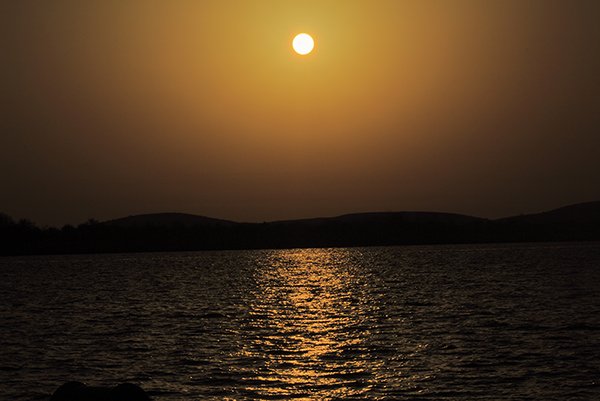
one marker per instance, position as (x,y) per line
(187,232)
(581,213)
(167,220)
(390,217)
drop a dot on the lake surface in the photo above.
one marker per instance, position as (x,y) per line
(519,322)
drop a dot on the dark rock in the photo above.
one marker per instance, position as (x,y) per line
(77,391)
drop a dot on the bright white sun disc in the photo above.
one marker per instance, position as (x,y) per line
(303,44)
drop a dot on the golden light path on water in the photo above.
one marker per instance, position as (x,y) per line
(312,314)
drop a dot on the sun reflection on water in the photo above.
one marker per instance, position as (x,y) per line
(309,322)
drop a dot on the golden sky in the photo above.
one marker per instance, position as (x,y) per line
(122,107)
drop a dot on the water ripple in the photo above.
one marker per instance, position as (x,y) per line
(418,323)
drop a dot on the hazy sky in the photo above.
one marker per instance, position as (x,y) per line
(118,107)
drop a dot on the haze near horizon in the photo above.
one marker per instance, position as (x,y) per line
(119,108)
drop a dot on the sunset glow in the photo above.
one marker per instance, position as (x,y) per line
(189,106)
(301,200)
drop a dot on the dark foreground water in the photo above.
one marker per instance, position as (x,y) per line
(497,322)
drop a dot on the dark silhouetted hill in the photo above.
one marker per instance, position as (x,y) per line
(168,220)
(410,217)
(570,223)
(185,232)
(386,218)
(581,213)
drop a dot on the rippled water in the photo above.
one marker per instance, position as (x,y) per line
(457,323)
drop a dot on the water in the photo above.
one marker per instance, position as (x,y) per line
(421,323)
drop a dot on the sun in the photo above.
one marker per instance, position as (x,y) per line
(303,44)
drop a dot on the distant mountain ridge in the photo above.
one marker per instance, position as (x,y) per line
(576,213)
(588,212)
(190,220)
(188,232)
(167,219)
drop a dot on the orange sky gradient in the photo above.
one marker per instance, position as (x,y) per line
(113,108)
